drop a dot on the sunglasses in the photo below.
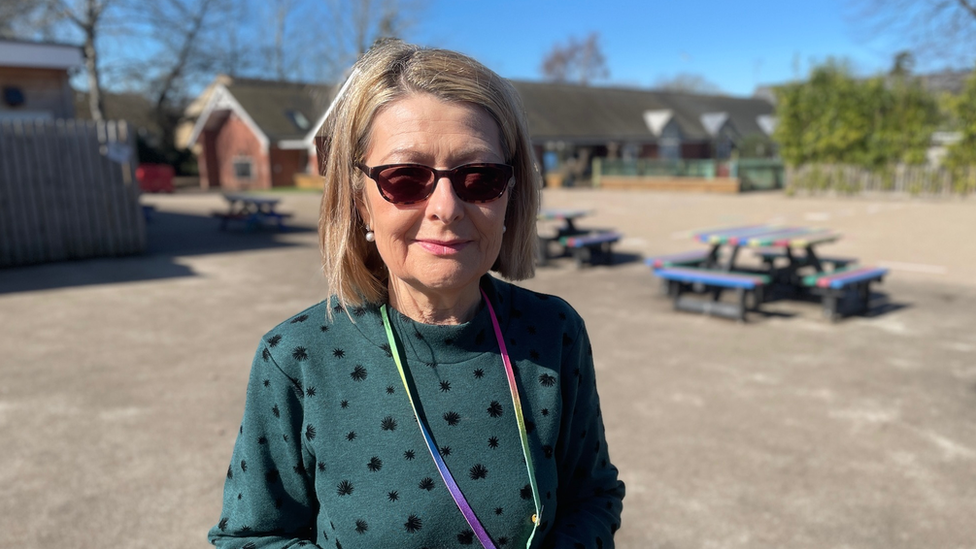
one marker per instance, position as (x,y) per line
(412,183)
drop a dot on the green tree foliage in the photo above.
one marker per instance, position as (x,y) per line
(834,117)
(963,152)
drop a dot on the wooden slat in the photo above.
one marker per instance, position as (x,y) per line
(61,197)
(7,226)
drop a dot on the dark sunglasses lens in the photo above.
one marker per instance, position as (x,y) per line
(405,184)
(481,183)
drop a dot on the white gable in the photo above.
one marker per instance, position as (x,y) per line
(767,123)
(714,122)
(222,99)
(657,120)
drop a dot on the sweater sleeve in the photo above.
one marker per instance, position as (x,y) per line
(590,495)
(269,500)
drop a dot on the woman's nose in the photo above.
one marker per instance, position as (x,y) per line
(444,203)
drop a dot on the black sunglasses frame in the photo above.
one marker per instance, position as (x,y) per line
(456,183)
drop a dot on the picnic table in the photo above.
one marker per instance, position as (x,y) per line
(252,210)
(584,245)
(790,262)
(567,216)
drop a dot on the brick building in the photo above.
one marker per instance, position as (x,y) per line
(34,80)
(257,134)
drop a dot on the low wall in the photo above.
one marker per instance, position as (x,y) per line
(728,185)
(309,181)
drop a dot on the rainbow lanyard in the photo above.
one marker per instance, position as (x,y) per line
(452,486)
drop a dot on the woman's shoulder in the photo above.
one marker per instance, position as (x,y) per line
(326,318)
(528,304)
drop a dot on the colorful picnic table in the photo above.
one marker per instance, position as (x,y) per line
(253,210)
(567,216)
(566,229)
(787,238)
(833,279)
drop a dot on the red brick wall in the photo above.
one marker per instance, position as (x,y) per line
(285,164)
(207,158)
(235,140)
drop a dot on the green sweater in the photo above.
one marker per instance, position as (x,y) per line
(329,450)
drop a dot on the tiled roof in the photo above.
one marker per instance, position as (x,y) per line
(590,113)
(581,114)
(272,104)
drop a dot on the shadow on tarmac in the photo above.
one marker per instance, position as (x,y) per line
(169,235)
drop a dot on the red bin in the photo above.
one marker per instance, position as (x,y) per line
(155,178)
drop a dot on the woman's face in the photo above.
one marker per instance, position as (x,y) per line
(442,244)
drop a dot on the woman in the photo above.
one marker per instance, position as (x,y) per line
(386,415)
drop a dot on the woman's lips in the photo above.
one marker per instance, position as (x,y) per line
(444,247)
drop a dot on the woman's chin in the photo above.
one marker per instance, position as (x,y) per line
(447,278)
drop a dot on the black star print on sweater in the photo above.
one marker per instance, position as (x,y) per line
(331,414)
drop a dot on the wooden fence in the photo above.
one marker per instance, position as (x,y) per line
(910,180)
(67,191)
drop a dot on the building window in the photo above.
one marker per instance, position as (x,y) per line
(669,148)
(298,119)
(243,168)
(13,96)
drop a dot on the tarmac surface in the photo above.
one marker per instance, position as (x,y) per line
(122,380)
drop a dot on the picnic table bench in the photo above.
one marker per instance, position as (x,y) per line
(771,255)
(586,246)
(682,280)
(790,262)
(835,286)
(252,211)
(591,248)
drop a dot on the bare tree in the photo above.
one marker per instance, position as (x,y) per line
(16,16)
(355,25)
(281,10)
(234,47)
(687,83)
(46,18)
(936,30)
(185,39)
(581,61)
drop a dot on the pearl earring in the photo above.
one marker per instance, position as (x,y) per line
(504,228)
(370,235)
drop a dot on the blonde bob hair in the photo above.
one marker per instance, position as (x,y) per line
(390,71)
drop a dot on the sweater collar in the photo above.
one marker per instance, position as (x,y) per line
(432,344)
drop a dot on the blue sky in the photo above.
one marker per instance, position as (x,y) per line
(733,44)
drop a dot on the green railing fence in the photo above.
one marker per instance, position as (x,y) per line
(754,173)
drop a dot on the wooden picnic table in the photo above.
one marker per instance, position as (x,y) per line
(252,210)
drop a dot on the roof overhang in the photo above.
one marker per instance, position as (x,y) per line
(222,103)
(37,55)
(295,144)
(309,140)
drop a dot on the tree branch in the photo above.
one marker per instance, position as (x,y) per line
(970,8)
